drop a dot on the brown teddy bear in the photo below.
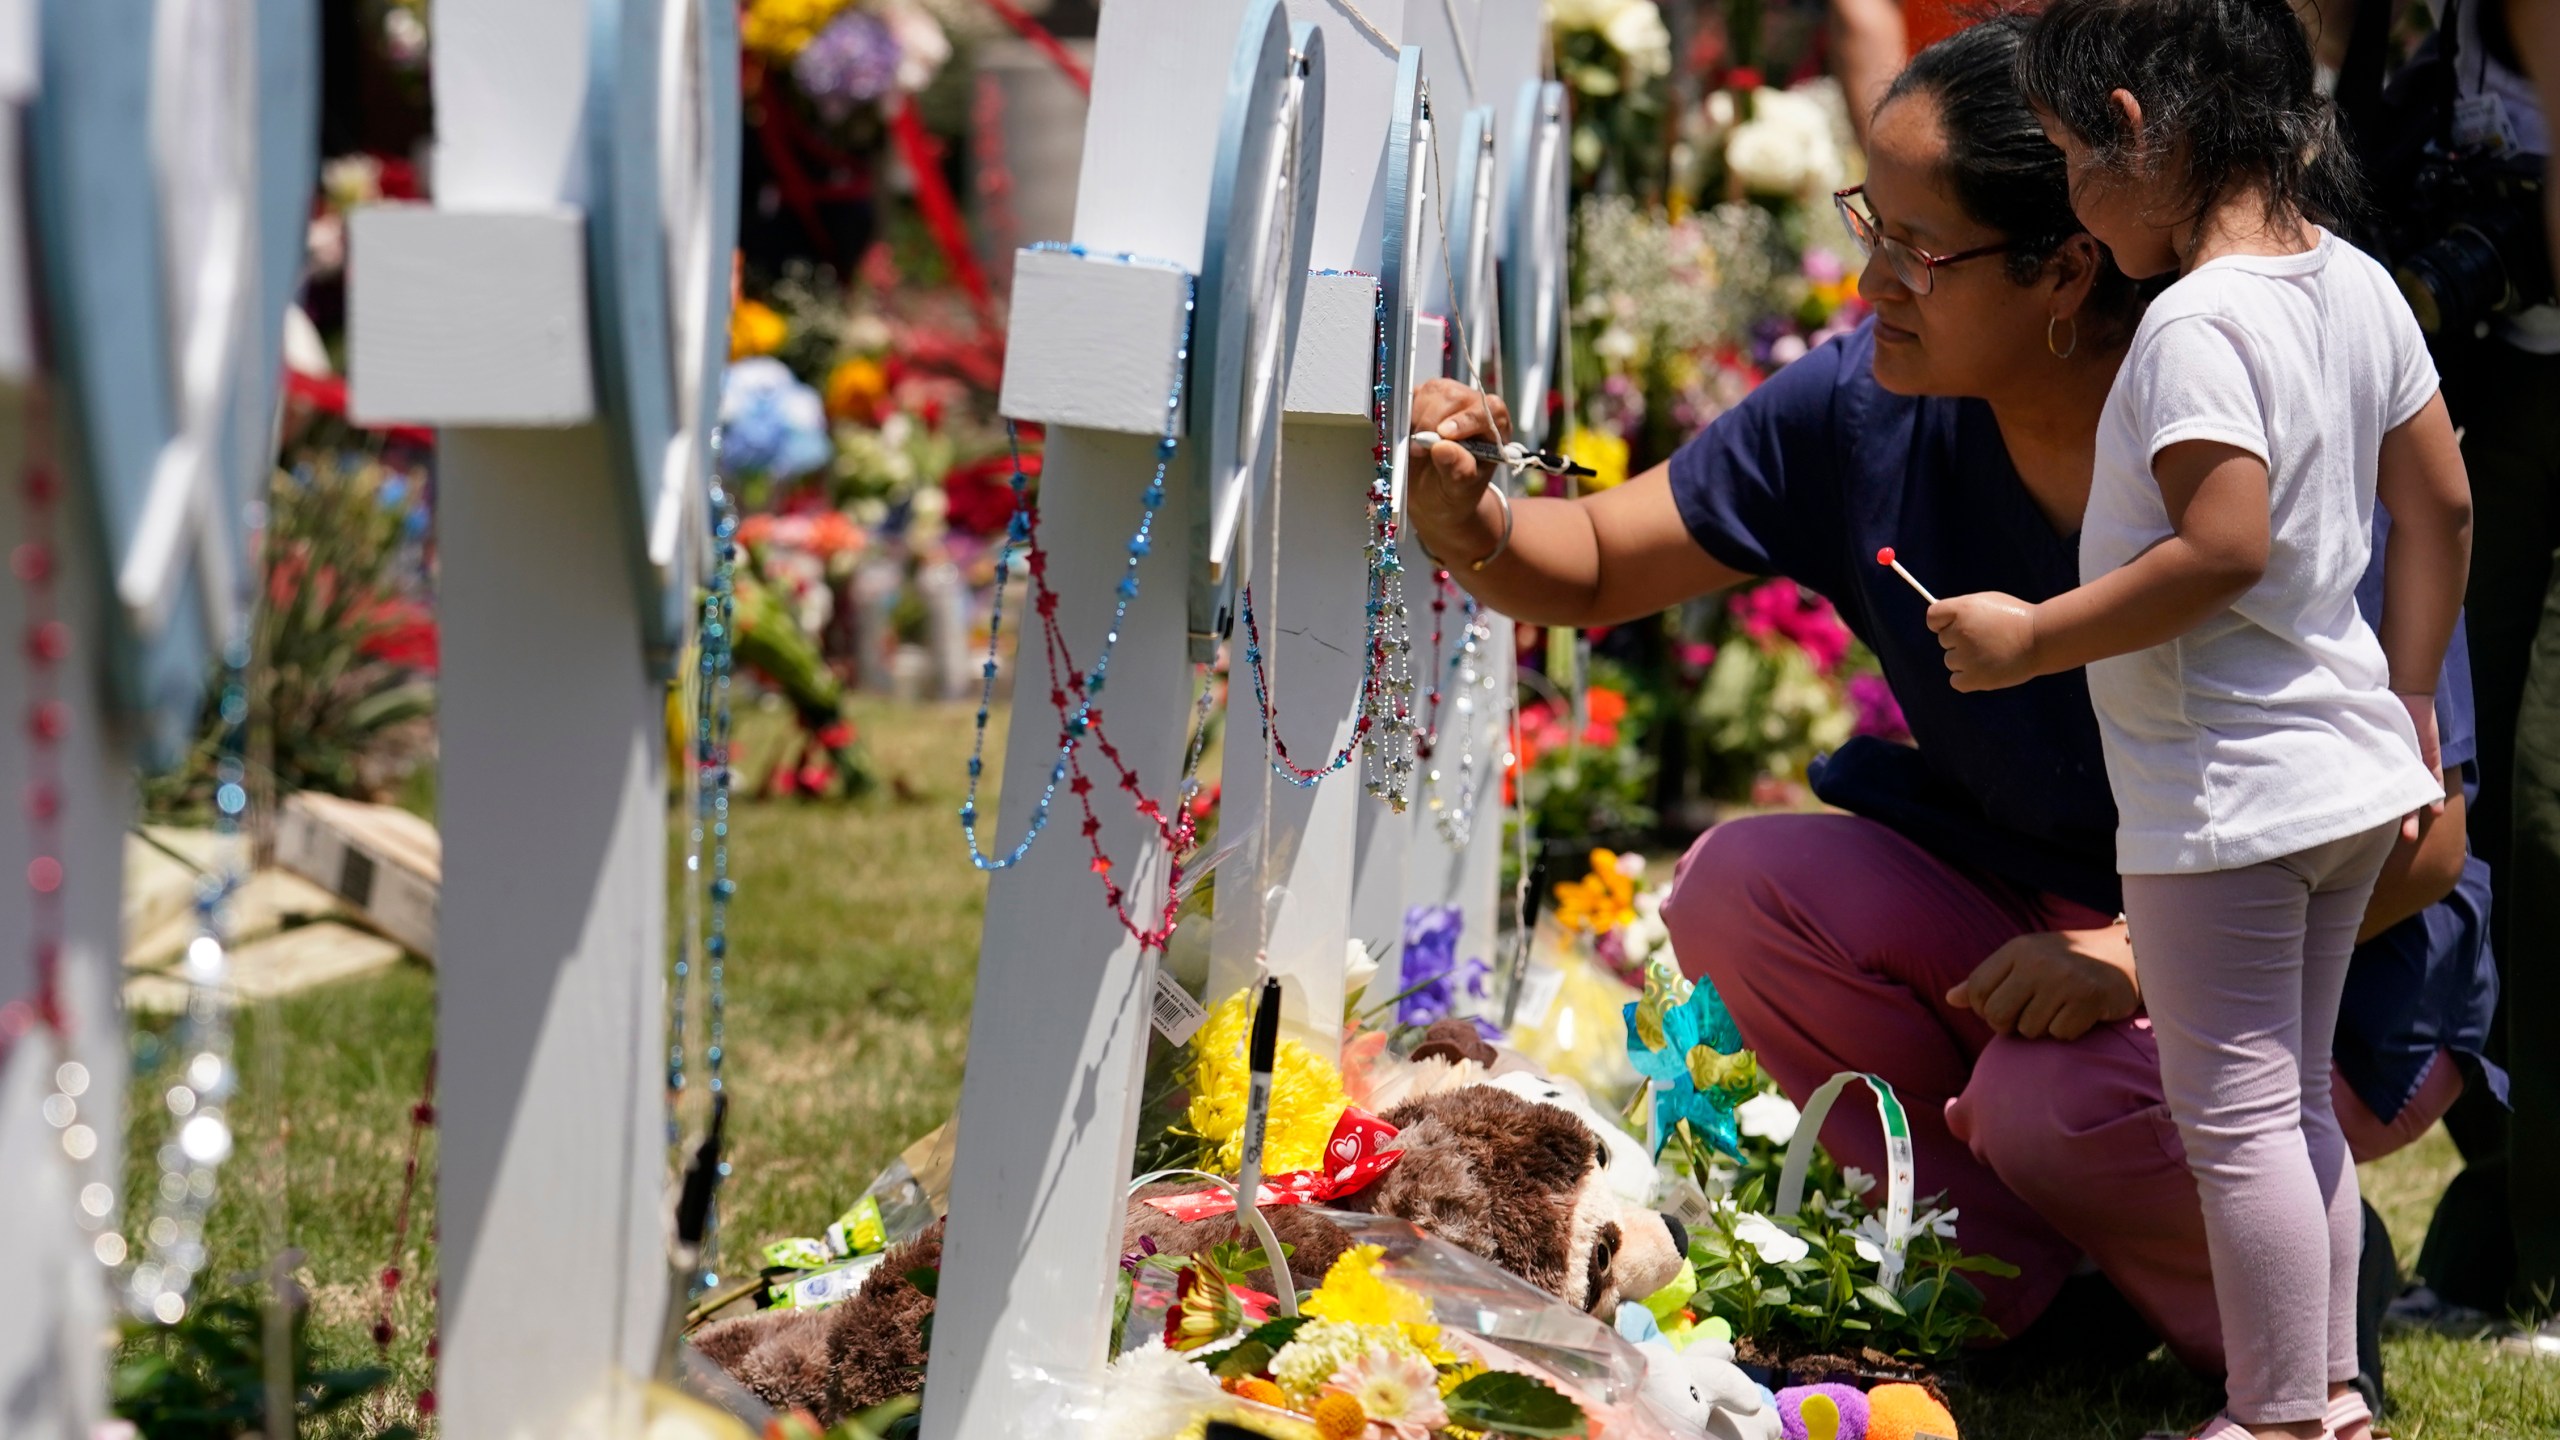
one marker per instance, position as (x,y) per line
(1523,1184)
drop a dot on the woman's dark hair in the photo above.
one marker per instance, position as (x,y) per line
(2229,83)
(2003,170)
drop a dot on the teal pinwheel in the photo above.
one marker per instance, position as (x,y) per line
(1692,1052)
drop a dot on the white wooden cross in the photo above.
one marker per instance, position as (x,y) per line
(1294,905)
(560,313)
(170,150)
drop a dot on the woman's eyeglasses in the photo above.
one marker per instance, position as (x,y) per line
(1914,267)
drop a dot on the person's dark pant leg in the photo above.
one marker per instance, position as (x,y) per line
(2503,399)
(2532,1002)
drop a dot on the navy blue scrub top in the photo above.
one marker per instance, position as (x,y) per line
(1818,469)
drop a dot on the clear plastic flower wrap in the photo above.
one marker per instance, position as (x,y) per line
(1479,1298)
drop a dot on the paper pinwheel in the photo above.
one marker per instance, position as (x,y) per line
(1692,1052)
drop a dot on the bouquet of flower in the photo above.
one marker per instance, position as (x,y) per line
(1616,56)
(1365,1359)
(1787,684)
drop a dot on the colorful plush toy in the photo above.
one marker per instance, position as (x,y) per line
(1907,1412)
(1823,1412)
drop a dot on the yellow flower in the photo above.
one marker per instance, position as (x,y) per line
(1356,1291)
(1339,1417)
(1306,1096)
(778,29)
(756,328)
(1601,451)
(1599,902)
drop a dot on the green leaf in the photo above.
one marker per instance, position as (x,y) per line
(925,1280)
(1881,1298)
(1962,1294)
(1984,1265)
(1498,1400)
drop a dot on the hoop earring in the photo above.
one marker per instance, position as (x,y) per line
(2064,352)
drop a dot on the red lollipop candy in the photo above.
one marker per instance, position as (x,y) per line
(1885,558)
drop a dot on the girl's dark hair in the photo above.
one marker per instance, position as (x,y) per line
(2228,82)
(2003,170)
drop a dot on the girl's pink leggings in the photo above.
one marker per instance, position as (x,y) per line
(1835,941)
(2242,971)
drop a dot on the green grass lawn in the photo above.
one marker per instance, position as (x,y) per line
(856,930)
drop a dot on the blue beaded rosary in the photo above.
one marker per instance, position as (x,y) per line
(716,641)
(1073,726)
(1383,733)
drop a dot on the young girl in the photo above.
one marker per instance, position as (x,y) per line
(2263,743)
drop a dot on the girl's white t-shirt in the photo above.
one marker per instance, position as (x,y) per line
(2270,728)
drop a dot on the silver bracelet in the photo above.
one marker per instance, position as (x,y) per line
(1504,543)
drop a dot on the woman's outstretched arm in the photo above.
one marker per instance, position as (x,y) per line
(1599,560)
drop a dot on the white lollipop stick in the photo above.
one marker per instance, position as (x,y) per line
(1885,558)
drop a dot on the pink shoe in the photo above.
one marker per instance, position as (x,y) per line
(2349,1418)
(2223,1427)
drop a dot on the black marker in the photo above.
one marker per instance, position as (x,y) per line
(1490,453)
(1259,1060)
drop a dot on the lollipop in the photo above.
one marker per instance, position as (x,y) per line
(1885,558)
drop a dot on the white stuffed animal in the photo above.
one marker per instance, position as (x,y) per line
(1701,1392)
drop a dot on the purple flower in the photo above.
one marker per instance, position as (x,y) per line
(1878,712)
(852,62)
(1434,976)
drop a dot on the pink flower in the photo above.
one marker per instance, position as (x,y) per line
(1782,610)
(1399,1393)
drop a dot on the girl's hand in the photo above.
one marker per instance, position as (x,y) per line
(2422,714)
(1990,639)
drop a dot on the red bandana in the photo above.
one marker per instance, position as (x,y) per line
(1357,1154)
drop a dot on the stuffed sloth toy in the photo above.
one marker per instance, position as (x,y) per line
(1525,1184)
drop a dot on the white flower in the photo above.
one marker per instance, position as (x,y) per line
(1152,1393)
(1854,1182)
(1358,969)
(1869,1237)
(1777,1245)
(1638,33)
(922,47)
(1785,148)
(1768,1116)
(1631,866)
(1941,1223)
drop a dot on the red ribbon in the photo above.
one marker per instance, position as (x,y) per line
(1358,1153)
(941,212)
(1046,43)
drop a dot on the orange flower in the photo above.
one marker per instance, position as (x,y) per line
(756,328)
(855,389)
(1259,1391)
(1339,1417)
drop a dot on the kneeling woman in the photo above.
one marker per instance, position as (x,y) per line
(1953,931)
